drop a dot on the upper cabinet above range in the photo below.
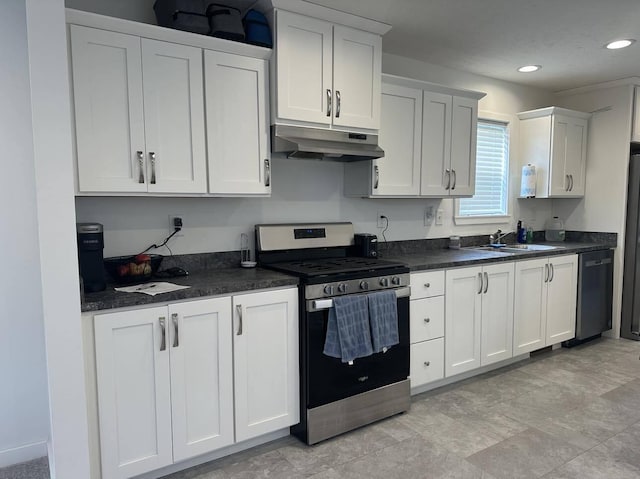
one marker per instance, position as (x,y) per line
(554,140)
(327,73)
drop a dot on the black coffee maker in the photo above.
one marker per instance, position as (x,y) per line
(90,246)
(366,245)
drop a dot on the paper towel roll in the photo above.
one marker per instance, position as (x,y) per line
(528,184)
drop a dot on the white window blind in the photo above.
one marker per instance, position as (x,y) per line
(492,172)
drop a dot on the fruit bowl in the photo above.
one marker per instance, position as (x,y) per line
(132,269)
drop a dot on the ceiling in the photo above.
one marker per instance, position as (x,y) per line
(494,37)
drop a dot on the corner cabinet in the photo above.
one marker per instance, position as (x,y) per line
(554,140)
(164,112)
(178,381)
(545,302)
(326,74)
(635,127)
(428,133)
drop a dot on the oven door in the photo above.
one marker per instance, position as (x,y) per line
(329,379)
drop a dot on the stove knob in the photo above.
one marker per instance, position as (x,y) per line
(342,288)
(395,280)
(364,285)
(384,282)
(328,290)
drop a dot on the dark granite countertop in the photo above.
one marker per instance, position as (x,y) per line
(451,258)
(210,282)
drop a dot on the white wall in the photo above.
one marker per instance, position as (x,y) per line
(312,191)
(24,424)
(603,207)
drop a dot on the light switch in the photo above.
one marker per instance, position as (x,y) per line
(439,215)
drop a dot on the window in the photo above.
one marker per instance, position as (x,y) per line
(492,175)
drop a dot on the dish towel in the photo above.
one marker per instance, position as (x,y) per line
(348,333)
(383,315)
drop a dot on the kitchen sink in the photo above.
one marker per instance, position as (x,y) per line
(516,248)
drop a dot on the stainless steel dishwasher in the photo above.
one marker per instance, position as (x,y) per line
(595,295)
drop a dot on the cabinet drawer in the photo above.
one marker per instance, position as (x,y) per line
(425,285)
(427,362)
(427,319)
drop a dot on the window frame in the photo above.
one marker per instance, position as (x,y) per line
(509,121)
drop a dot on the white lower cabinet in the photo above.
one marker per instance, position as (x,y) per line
(165,378)
(545,302)
(479,316)
(426,327)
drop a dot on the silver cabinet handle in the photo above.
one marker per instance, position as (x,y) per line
(566,178)
(481,283)
(448,172)
(427,320)
(267,172)
(571,178)
(152,157)
(176,340)
(546,273)
(163,329)
(455,178)
(239,313)
(486,283)
(377,179)
(552,272)
(427,285)
(140,156)
(427,363)
(337,103)
(328,102)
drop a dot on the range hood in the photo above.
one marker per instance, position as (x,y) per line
(315,144)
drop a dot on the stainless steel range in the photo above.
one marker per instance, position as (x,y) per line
(337,396)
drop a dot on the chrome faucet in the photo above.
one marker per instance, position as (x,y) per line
(497,236)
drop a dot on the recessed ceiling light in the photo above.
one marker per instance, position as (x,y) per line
(619,44)
(529,68)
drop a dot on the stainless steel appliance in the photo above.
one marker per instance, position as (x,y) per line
(630,317)
(595,295)
(90,246)
(336,397)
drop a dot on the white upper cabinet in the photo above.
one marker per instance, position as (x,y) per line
(139,114)
(428,133)
(635,132)
(326,75)
(554,140)
(237,124)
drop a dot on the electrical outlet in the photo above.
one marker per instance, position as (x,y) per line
(382,222)
(176,221)
(428,216)
(439,215)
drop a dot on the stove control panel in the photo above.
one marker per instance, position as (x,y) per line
(340,288)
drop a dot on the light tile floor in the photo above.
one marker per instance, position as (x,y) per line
(560,415)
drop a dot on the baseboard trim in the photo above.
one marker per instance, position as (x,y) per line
(25,453)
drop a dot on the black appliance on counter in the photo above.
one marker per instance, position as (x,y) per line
(90,246)
(366,245)
(336,397)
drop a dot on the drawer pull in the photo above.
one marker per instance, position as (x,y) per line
(427,320)
(427,285)
(427,363)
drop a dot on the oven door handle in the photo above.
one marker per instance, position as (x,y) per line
(320,304)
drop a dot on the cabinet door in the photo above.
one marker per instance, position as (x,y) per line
(530,306)
(304,68)
(635,133)
(561,299)
(174,118)
(398,172)
(107,92)
(436,144)
(134,403)
(462,320)
(201,376)
(237,124)
(265,362)
(559,181)
(576,159)
(357,75)
(427,318)
(464,120)
(497,313)
(427,362)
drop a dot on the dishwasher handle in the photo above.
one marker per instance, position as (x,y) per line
(597,262)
